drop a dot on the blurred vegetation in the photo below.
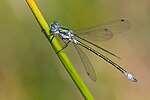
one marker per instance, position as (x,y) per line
(30,70)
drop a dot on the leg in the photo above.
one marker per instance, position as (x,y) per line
(48,35)
(66,44)
(52,37)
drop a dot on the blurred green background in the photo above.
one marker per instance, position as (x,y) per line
(30,69)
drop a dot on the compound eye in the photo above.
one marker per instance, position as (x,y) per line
(52,28)
(56,22)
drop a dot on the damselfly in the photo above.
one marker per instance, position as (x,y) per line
(97,32)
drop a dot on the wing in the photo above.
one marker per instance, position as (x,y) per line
(87,64)
(104,31)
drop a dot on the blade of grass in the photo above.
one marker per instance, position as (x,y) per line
(62,56)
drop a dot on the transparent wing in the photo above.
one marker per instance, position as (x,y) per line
(104,31)
(87,64)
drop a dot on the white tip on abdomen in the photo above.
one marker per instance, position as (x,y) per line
(130,77)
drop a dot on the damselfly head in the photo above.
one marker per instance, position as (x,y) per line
(54,26)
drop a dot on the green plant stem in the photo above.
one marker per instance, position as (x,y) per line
(62,56)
